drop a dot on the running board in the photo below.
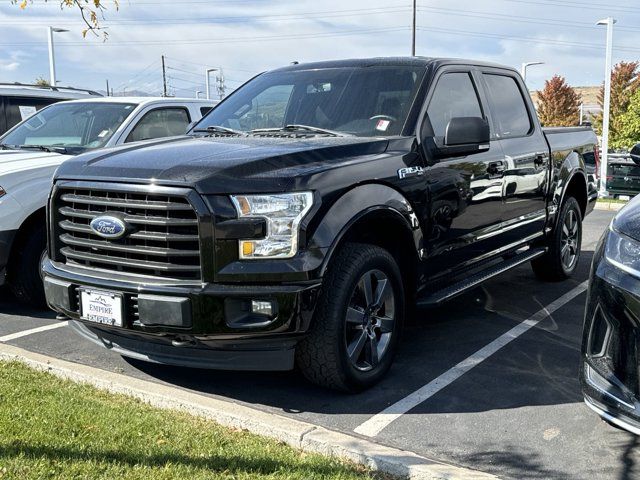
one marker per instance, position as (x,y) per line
(435,299)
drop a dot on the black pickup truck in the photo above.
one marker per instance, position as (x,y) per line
(305,216)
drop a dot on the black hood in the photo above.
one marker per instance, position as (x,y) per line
(627,221)
(220,165)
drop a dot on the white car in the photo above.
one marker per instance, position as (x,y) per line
(32,150)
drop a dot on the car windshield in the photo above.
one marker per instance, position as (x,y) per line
(362,101)
(69,127)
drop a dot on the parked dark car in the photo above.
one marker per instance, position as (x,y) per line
(309,211)
(623,177)
(610,356)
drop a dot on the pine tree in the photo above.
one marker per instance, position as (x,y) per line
(558,104)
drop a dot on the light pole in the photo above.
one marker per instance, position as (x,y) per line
(524,66)
(52,60)
(609,21)
(198,92)
(206,77)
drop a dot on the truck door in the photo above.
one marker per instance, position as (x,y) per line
(526,177)
(466,191)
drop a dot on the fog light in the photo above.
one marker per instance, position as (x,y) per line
(262,308)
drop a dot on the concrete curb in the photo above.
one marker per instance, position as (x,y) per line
(604,205)
(301,435)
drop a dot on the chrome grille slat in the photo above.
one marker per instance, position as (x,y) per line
(134,219)
(155,251)
(112,202)
(122,261)
(159,236)
(164,242)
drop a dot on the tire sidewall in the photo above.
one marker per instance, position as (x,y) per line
(570,204)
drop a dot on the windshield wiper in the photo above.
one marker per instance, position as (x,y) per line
(45,148)
(307,128)
(219,129)
(4,146)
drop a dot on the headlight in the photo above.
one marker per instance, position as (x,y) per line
(623,252)
(283,213)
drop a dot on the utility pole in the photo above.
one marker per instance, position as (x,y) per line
(413,31)
(107,87)
(609,21)
(164,79)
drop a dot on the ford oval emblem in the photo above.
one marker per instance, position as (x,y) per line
(107,226)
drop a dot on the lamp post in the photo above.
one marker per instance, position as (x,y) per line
(52,60)
(207,86)
(220,80)
(524,66)
(198,92)
(609,22)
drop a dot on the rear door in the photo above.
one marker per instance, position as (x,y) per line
(526,155)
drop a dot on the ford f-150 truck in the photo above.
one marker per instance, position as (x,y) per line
(305,216)
(32,150)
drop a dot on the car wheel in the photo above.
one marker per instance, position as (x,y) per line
(357,321)
(563,254)
(24,270)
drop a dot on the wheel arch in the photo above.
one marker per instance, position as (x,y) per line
(30,222)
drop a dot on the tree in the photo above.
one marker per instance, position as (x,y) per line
(42,82)
(624,83)
(91,11)
(558,103)
(628,124)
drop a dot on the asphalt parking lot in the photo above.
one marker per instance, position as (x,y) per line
(489,381)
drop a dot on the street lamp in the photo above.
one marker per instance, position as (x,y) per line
(198,92)
(609,21)
(523,69)
(207,87)
(52,61)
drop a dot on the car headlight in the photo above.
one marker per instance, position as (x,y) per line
(283,214)
(623,252)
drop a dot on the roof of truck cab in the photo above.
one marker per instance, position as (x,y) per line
(389,61)
(145,100)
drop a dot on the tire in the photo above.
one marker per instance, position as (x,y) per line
(347,320)
(24,269)
(563,254)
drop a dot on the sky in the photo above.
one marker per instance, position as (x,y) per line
(246,37)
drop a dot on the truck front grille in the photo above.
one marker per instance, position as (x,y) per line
(163,240)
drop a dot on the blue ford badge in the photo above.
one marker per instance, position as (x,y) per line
(108,227)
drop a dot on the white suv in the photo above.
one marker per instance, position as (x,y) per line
(32,150)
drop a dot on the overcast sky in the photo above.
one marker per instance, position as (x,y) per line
(245,37)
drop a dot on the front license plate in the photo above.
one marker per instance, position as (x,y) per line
(101,307)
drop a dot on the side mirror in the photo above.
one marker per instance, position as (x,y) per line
(635,153)
(465,136)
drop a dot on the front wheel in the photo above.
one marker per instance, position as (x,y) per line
(357,322)
(564,244)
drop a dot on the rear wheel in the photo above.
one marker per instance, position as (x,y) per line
(24,269)
(357,322)
(563,253)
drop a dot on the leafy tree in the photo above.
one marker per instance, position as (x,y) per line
(43,82)
(558,103)
(91,11)
(628,133)
(625,81)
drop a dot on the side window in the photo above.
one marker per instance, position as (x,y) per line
(267,109)
(508,108)
(205,110)
(21,108)
(454,96)
(161,122)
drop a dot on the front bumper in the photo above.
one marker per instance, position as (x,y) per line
(203,325)
(610,367)
(6,241)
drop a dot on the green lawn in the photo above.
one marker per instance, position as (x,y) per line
(56,429)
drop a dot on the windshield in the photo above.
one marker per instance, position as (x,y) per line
(363,101)
(75,127)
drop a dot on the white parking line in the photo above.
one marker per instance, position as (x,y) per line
(377,423)
(31,331)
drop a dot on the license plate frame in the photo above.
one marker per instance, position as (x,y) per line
(112,304)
